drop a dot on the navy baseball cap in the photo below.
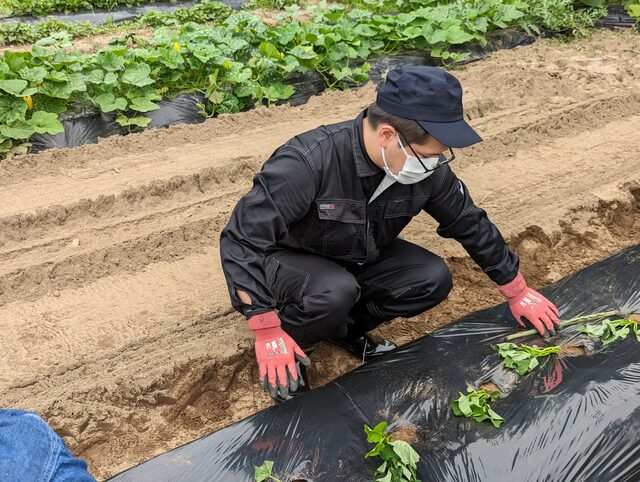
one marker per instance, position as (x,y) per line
(432,97)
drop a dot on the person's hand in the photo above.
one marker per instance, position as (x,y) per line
(529,306)
(276,353)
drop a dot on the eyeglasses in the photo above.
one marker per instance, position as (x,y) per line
(441,161)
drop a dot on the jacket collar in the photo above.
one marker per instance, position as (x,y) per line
(364,165)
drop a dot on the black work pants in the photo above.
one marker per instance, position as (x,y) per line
(317,296)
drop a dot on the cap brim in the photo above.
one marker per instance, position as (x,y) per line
(452,134)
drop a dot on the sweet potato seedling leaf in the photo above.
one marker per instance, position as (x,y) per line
(523,358)
(476,405)
(399,458)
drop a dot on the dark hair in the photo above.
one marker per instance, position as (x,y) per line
(408,128)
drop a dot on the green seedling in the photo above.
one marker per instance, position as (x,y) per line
(399,459)
(523,358)
(265,472)
(609,331)
(476,405)
(572,321)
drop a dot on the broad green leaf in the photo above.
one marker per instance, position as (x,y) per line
(12,109)
(172,59)
(476,402)
(110,78)
(14,86)
(609,331)
(480,24)
(57,76)
(205,52)
(237,75)
(96,76)
(236,43)
(523,358)
(29,91)
(303,52)
(264,471)
(290,64)
(464,405)
(61,90)
(19,130)
(108,102)
(110,61)
(41,52)
(248,89)
(46,123)
(76,83)
(405,452)
(438,36)
(35,74)
(279,91)
(508,13)
(269,50)
(142,104)
(137,74)
(455,35)
(133,121)
(375,434)
(634,10)
(365,30)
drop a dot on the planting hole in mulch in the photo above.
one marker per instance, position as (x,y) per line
(572,350)
(406,433)
(490,387)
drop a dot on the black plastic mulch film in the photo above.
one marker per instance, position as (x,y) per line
(86,128)
(572,419)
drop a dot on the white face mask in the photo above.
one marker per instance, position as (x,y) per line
(412,171)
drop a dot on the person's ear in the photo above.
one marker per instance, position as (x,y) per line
(386,135)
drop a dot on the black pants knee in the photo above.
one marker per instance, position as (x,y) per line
(317,297)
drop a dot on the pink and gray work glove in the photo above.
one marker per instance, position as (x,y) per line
(528,305)
(276,353)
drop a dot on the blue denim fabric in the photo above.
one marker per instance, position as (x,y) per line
(31,452)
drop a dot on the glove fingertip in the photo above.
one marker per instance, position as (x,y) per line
(300,380)
(273,391)
(538,325)
(264,382)
(305,360)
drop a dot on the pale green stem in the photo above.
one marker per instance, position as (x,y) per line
(572,321)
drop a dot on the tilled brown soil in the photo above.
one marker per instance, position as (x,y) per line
(116,324)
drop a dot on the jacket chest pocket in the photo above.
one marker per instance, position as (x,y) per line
(404,207)
(340,228)
(397,213)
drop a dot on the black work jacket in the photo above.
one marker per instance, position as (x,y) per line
(312,195)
